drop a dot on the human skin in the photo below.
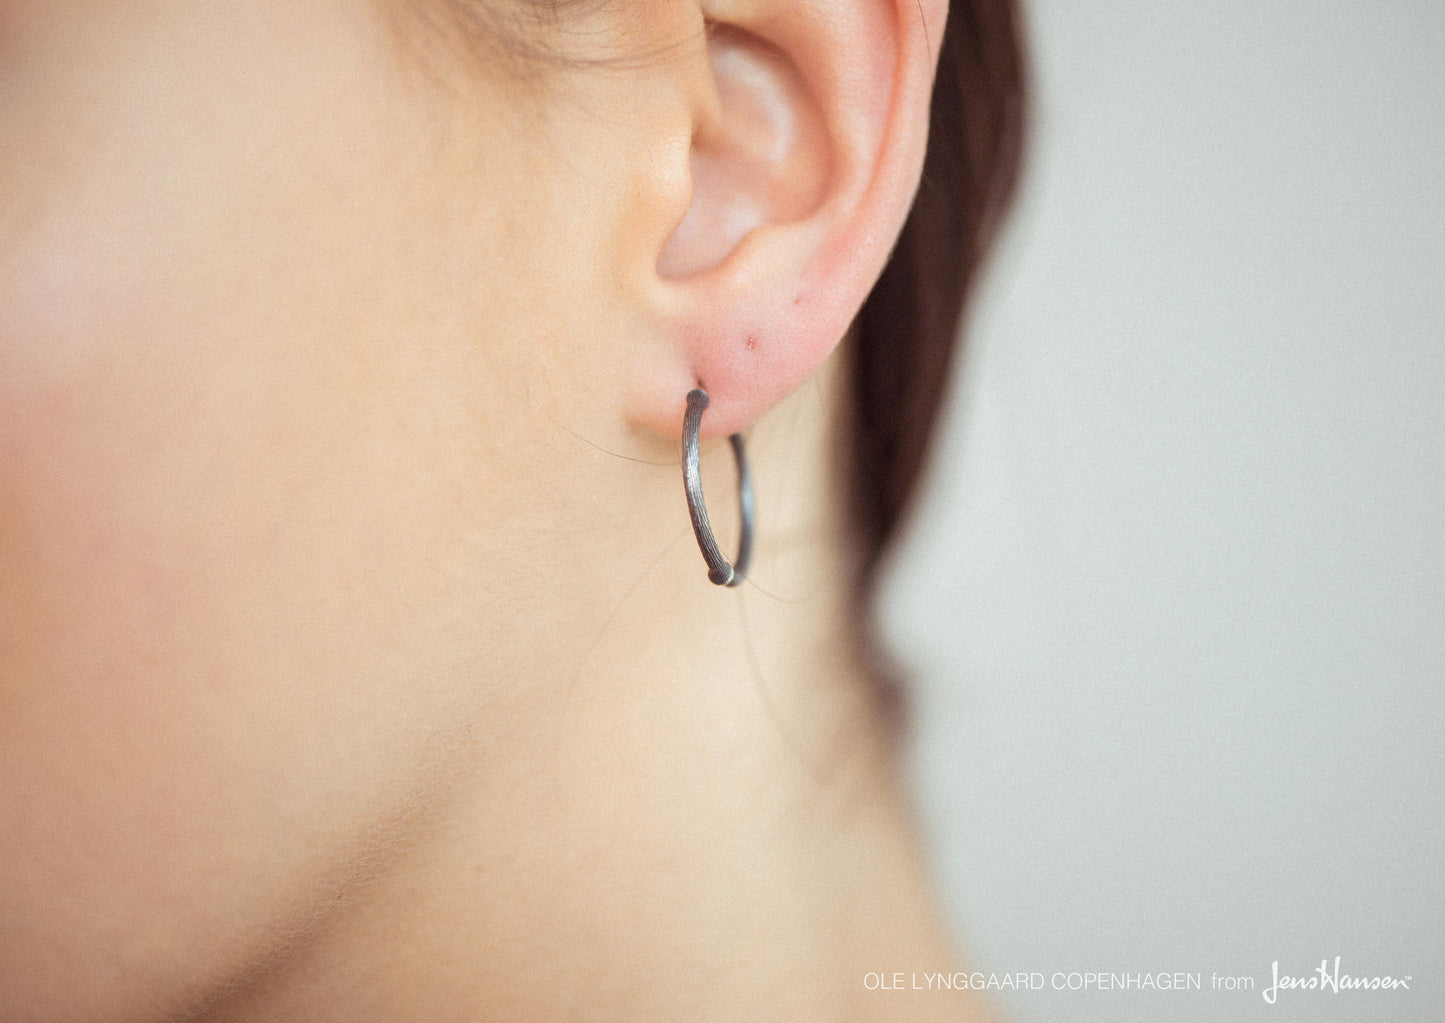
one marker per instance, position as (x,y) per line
(355,661)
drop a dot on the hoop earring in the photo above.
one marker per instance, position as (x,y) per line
(719,570)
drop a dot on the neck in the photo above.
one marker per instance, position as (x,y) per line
(698,818)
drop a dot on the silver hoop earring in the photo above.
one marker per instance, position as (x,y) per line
(719,570)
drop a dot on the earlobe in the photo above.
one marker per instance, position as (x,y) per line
(802,171)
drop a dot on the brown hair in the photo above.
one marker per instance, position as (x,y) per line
(906,334)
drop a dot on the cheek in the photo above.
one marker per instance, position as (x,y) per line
(205,694)
(160,610)
(121,440)
(211,553)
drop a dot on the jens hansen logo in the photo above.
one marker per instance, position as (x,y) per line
(1327,978)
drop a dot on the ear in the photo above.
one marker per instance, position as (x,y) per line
(807,125)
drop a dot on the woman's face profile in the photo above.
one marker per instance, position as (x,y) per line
(346,600)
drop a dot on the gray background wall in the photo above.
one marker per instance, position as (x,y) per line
(1177,597)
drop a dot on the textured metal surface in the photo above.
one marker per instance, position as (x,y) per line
(719,569)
